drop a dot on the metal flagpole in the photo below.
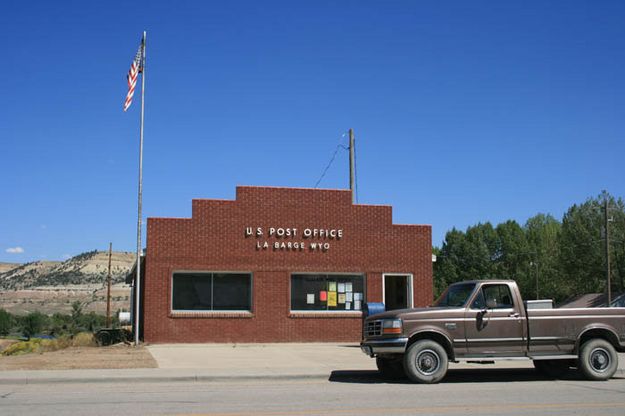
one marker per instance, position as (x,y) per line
(140,197)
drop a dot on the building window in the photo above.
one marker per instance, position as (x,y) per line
(212,292)
(327,292)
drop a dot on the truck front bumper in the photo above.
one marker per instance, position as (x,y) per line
(384,346)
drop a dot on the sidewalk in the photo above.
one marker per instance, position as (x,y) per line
(224,362)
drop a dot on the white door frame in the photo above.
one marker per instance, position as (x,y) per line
(410,296)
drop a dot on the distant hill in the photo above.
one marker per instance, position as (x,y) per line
(5,267)
(86,268)
(52,286)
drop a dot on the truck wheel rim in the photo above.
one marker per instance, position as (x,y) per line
(599,360)
(427,362)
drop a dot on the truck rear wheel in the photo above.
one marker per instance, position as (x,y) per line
(598,359)
(425,361)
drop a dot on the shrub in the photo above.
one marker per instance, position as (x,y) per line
(23,347)
(83,339)
(6,322)
(33,323)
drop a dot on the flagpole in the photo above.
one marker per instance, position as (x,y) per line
(140,202)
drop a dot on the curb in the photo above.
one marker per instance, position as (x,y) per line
(179,378)
(157,379)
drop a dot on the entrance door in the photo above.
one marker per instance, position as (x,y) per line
(397,291)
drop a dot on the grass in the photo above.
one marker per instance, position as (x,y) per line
(38,345)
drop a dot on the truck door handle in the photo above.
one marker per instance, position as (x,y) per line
(514,315)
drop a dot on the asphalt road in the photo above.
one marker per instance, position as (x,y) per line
(464,392)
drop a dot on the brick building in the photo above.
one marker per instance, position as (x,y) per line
(279,265)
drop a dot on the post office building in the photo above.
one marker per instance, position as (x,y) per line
(278,265)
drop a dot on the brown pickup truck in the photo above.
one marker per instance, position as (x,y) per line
(486,320)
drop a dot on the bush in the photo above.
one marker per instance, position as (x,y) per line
(83,339)
(6,322)
(38,345)
(33,323)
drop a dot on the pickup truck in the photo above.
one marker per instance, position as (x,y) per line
(487,320)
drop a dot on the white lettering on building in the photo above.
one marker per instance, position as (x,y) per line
(291,238)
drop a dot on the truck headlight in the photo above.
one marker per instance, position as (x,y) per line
(391,326)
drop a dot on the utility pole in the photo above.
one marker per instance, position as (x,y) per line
(108,290)
(352,165)
(607,249)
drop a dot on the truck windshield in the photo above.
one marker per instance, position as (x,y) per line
(456,295)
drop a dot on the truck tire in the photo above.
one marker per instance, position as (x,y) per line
(552,368)
(390,367)
(598,359)
(426,362)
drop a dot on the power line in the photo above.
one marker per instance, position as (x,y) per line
(338,147)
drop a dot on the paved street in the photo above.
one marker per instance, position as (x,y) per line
(465,392)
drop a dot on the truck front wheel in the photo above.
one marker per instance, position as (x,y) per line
(425,361)
(598,359)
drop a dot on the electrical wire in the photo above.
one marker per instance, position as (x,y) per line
(338,147)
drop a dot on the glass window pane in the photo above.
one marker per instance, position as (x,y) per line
(318,292)
(306,292)
(231,292)
(191,291)
(498,296)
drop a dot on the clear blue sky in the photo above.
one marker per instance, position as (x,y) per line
(463,111)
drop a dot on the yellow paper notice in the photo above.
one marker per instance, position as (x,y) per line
(331,298)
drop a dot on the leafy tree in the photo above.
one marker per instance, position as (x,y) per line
(547,258)
(6,322)
(60,324)
(512,254)
(91,321)
(582,244)
(467,256)
(76,317)
(544,279)
(33,323)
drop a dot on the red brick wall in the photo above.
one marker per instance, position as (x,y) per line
(214,240)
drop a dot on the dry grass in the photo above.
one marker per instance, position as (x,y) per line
(37,345)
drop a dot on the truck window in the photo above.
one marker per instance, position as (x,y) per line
(493,296)
(456,295)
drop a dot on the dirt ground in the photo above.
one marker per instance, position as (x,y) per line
(112,357)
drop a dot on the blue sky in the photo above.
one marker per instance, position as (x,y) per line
(463,111)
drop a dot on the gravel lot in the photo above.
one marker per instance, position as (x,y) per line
(112,357)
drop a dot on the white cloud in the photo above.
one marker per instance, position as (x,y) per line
(15,250)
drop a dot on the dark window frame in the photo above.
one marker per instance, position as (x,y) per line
(329,276)
(211,275)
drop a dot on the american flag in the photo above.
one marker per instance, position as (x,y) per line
(133,73)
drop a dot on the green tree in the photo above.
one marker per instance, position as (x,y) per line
(582,250)
(6,322)
(76,321)
(545,276)
(91,321)
(466,256)
(60,324)
(512,253)
(33,323)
